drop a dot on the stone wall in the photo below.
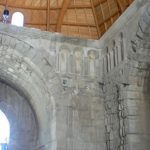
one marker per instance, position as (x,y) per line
(60,77)
(126,77)
(86,95)
(138,91)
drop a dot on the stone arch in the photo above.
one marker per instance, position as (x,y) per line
(22,119)
(29,70)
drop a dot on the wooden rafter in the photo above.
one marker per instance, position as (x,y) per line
(64,23)
(61,15)
(119,6)
(48,15)
(6,3)
(43,7)
(95,18)
(99,2)
(24,7)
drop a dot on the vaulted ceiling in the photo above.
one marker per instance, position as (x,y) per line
(80,18)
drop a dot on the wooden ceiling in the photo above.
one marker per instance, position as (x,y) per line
(81,18)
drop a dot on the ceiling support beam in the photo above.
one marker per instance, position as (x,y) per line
(48,15)
(61,14)
(44,7)
(121,7)
(95,18)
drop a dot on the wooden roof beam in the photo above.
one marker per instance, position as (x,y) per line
(120,6)
(48,15)
(95,18)
(62,12)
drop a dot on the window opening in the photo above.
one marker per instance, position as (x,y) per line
(17,19)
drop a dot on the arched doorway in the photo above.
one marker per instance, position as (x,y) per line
(23,128)
(4,131)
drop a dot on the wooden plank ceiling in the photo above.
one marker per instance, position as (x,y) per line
(81,18)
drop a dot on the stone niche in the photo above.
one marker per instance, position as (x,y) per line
(23,124)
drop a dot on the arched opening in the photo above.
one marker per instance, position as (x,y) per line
(4,131)
(17,19)
(22,119)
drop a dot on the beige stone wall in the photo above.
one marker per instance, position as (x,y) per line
(60,77)
(86,95)
(126,77)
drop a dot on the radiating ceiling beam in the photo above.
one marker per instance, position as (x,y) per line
(61,14)
(95,18)
(43,7)
(48,15)
(119,5)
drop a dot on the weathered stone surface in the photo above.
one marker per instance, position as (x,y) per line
(84,95)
